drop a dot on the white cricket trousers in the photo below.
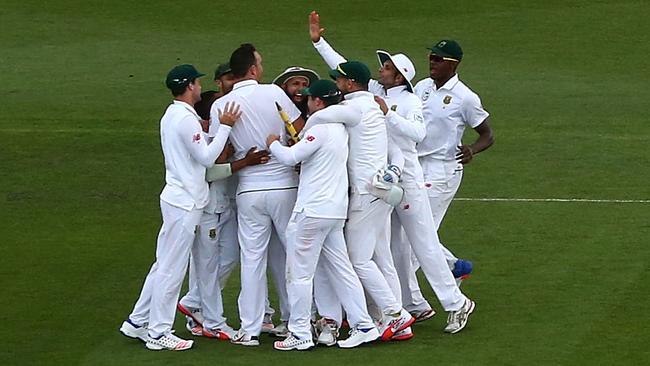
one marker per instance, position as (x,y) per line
(277,262)
(216,239)
(156,305)
(406,266)
(442,180)
(258,213)
(414,215)
(367,234)
(315,241)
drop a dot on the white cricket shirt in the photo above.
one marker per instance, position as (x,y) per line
(323,151)
(406,128)
(368,141)
(187,155)
(446,112)
(259,119)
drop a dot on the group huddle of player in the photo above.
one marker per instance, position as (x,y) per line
(338,184)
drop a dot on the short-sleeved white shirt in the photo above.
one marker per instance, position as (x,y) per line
(447,110)
(259,119)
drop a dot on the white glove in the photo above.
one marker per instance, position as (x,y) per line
(392,174)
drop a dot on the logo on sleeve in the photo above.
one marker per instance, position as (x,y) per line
(426,95)
(310,138)
(196,137)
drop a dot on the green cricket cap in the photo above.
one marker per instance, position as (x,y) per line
(353,70)
(447,48)
(322,89)
(222,70)
(182,75)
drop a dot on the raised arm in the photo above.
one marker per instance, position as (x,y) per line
(331,57)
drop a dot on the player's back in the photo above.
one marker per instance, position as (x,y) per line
(368,141)
(259,119)
(323,190)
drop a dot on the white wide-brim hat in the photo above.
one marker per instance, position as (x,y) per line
(402,63)
(296,71)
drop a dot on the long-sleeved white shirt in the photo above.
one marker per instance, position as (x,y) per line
(187,155)
(259,119)
(323,152)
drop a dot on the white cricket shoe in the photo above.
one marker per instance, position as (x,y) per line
(267,323)
(457,320)
(243,339)
(132,330)
(291,343)
(194,313)
(281,330)
(193,327)
(328,331)
(359,336)
(392,324)
(168,341)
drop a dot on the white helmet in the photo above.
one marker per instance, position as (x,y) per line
(402,63)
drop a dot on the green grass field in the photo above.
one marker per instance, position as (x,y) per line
(556,283)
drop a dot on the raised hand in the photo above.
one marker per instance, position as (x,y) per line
(315,31)
(230,114)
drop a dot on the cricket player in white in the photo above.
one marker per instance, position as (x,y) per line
(315,232)
(406,127)
(187,155)
(218,233)
(448,106)
(368,223)
(266,193)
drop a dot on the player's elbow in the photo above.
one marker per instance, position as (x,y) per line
(420,134)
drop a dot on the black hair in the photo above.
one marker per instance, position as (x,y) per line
(242,59)
(364,86)
(180,89)
(203,106)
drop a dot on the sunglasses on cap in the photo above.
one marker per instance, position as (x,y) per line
(437,58)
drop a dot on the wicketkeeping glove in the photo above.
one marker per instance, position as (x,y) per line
(392,174)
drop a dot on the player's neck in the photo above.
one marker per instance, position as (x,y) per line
(186,98)
(443,80)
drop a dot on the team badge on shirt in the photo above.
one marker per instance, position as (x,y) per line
(212,233)
(447,99)
(310,138)
(196,138)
